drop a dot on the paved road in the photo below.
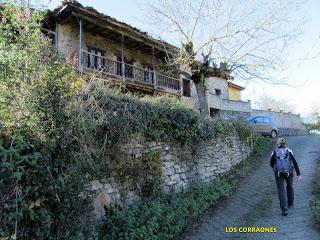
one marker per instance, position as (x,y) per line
(256,204)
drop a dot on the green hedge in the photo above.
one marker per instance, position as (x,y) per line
(108,112)
(316,191)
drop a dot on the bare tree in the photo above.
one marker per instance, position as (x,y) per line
(268,103)
(247,37)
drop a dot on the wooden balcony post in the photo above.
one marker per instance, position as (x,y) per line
(56,37)
(123,69)
(154,69)
(80,44)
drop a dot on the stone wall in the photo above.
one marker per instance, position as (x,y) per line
(181,166)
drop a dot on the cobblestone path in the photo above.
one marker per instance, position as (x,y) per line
(256,204)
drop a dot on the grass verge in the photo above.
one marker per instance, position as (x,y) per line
(259,210)
(316,192)
(167,215)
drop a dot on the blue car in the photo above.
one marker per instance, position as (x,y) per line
(264,125)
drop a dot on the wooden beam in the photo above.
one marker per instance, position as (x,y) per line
(113,27)
(154,69)
(80,43)
(56,37)
(122,58)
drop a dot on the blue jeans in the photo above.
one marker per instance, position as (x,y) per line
(285,199)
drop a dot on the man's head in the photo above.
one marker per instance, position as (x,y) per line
(281,141)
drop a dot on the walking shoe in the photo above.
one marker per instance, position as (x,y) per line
(290,206)
(284,212)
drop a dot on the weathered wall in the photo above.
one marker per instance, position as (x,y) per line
(68,41)
(181,166)
(233,115)
(217,83)
(287,123)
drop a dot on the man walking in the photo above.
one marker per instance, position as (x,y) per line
(284,163)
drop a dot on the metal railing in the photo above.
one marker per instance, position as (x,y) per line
(103,65)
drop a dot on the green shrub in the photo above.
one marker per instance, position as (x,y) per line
(165,216)
(244,130)
(118,116)
(316,211)
(39,185)
(316,191)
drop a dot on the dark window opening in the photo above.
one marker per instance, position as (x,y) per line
(96,58)
(186,88)
(217,91)
(128,68)
(148,74)
(214,112)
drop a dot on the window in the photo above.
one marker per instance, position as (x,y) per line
(128,68)
(186,88)
(266,120)
(95,58)
(217,91)
(258,120)
(148,74)
(214,112)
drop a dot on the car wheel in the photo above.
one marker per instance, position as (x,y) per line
(273,134)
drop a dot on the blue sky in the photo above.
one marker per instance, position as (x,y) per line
(303,75)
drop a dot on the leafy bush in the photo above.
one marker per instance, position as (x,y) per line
(244,130)
(120,115)
(35,168)
(316,191)
(165,216)
(316,211)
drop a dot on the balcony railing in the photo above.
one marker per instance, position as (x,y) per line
(169,83)
(129,73)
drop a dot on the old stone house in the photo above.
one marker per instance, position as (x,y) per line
(116,51)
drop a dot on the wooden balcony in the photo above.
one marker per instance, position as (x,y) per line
(131,75)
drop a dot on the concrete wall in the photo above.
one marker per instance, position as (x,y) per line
(217,83)
(181,166)
(233,115)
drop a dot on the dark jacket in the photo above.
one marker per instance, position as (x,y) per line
(295,164)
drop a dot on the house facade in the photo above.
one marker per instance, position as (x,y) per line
(117,52)
(224,99)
